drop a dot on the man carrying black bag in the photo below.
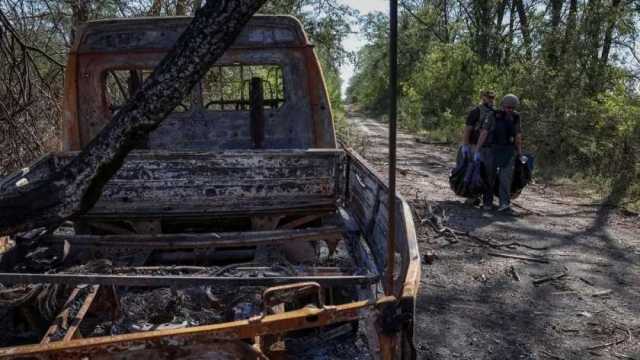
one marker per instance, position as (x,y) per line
(472,131)
(503,132)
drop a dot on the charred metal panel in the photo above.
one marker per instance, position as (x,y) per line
(155,183)
(69,122)
(288,127)
(321,112)
(367,196)
(168,344)
(366,199)
(162,34)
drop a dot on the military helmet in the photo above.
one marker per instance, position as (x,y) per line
(510,100)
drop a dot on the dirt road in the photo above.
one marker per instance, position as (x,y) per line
(476,305)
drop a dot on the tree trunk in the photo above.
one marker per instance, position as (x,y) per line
(589,47)
(156,8)
(79,15)
(552,37)
(196,6)
(445,21)
(592,29)
(568,45)
(497,36)
(616,6)
(181,7)
(524,27)
(509,45)
(483,21)
(76,187)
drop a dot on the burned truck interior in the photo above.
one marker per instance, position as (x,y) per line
(239,227)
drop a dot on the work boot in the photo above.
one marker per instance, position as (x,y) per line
(506,210)
(472,202)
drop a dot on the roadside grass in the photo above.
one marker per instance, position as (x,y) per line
(346,132)
(440,136)
(605,190)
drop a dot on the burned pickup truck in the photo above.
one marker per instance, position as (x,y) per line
(238,228)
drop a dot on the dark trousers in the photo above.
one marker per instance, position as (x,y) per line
(489,164)
(505,175)
(498,163)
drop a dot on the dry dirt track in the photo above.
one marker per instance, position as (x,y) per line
(472,307)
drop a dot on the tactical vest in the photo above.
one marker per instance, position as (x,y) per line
(484,113)
(504,129)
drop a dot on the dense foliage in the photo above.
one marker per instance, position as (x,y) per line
(327,24)
(574,64)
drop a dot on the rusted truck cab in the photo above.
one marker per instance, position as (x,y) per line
(111,58)
(282,231)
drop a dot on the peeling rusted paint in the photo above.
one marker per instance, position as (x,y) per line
(304,121)
(308,317)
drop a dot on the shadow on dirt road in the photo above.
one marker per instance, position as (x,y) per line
(581,302)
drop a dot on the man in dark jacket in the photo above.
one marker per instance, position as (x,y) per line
(503,133)
(472,129)
(474,122)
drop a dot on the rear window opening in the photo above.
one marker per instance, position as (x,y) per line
(227,87)
(223,88)
(121,85)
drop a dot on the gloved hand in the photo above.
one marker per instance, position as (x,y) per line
(466,151)
(523,159)
(477,157)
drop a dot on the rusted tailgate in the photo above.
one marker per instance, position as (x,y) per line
(161,184)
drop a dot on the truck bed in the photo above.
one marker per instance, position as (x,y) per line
(246,225)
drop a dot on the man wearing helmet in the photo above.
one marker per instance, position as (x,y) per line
(503,133)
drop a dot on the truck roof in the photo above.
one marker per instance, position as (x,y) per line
(161,33)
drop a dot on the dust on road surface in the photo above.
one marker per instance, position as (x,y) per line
(471,303)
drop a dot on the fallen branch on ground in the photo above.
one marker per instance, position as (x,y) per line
(602,293)
(550,355)
(436,223)
(515,273)
(455,233)
(615,342)
(623,356)
(549,278)
(519,257)
(586,281)
(528,210)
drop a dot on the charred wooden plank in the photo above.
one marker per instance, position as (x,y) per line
(306,271)
(301,221)
(75,322)
(62,320)
(157,184)
(180,281)
(230,208)
(226,164)
(200,240)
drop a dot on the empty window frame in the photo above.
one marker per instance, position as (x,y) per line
(121,85)
(227,87)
